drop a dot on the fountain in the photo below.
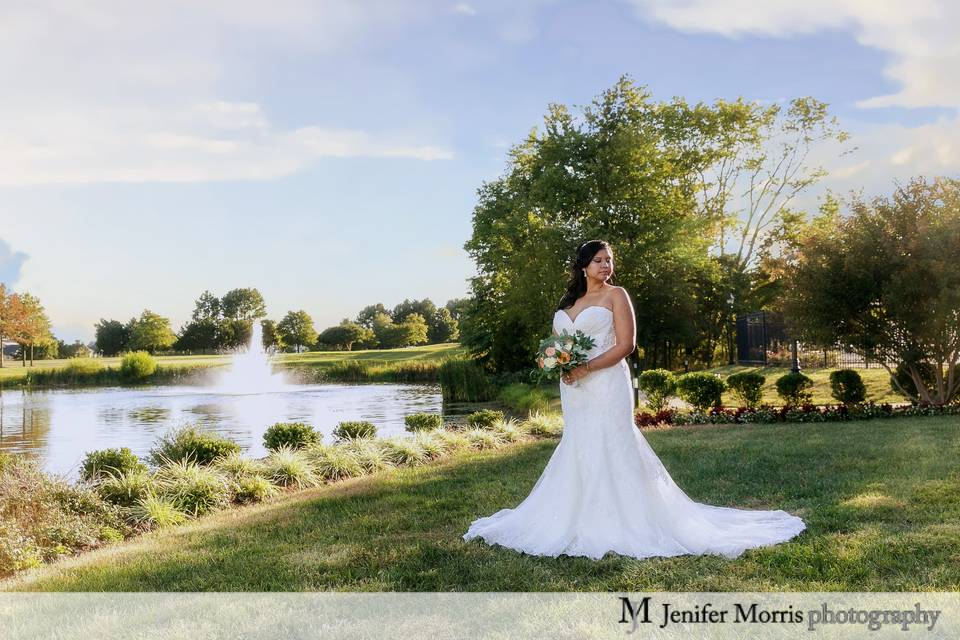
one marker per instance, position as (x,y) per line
(250,371)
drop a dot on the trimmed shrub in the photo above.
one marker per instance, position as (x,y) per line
(192,443)
(658,385)
(193,488)
(423,421)
(701,389)
(336,462)
(289,467)
(296,435)
(544,425)
(484,419)
(794,388)
(464,380)
(847,387)
(253,489)
(747,386)
(124,488)
(99,463)
(354,429)
(137,365)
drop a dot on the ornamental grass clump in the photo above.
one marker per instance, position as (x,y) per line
(154,511)
(432,447)
(236,466)
(482,439)
(193,488)
(450,440)
(404,452)
(336,462)
(369,453)
(544,425)
(288,467)
(509,430)
(251,488)
(124,488)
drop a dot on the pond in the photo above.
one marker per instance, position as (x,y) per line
(59,427)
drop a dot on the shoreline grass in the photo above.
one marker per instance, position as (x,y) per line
(881,500)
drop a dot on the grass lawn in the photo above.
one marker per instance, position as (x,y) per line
(881,499)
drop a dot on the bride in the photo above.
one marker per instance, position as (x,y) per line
(604,489)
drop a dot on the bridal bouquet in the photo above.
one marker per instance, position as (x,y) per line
(561,352)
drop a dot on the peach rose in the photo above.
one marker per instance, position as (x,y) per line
(550,351)
(563,357)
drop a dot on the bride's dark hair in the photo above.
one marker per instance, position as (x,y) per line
(578,282)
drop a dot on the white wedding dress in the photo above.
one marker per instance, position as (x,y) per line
(604,489)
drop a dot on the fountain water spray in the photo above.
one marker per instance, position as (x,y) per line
(250,370)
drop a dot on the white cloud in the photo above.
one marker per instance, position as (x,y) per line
(117,91)
(920,35)
(464,9)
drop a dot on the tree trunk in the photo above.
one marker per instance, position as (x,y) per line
(31,355)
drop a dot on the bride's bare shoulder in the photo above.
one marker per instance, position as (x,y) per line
(618,295)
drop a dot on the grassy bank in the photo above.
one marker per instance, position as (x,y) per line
(881,500)
(413,364)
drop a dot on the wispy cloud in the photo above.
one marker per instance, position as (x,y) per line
(107,99)
(464,9)
(11,263)
(919,35)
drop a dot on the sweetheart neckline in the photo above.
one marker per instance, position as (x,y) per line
(573,321)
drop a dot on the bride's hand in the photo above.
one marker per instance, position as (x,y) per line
(575,374)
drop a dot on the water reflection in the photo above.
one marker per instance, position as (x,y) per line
(61,426)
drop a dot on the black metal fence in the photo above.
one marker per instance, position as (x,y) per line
(762,339)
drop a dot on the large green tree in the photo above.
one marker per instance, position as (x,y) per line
(242,304)
(150,332)
(884,282)
(112,337)
(296,330)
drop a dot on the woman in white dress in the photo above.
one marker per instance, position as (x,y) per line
(604,489)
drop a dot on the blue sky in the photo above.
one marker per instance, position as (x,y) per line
(328,153)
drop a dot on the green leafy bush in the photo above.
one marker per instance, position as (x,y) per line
(98,463)
(847,387)
(658,385)
(292,434)
(701,389)
(355,429)
(192,443)
(423,421)
(794,388)
(484,419)
(464,380)
(747,386)
(137,365)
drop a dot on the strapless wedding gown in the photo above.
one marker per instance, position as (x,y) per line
(604,489)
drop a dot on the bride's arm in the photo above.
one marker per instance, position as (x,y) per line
(625,325)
